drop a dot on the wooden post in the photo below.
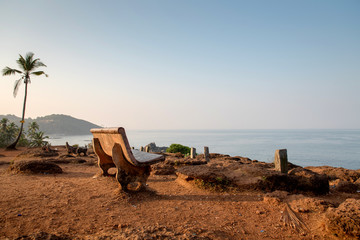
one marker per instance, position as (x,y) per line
(193,152)
(206,154)
(147,149)
(142,148)
(281,160)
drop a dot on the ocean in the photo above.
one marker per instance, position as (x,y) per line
(338,148)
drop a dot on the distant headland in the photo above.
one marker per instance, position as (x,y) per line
(57,124)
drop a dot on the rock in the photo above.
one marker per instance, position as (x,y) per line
(337,173)
(162,169)
(205,173)
(217,155)
(298,180)
(301,203)
(277,194)
(344,221)
(258,176)
(310,181)
(35,166)
(346,187)
(176,155)
(278,182)
(292,166)
(272,200)
(185,161)
(258,212)
(357,181)
(153,148)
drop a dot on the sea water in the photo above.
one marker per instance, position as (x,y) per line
(338,148)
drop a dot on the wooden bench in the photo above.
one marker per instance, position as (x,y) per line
(113,150)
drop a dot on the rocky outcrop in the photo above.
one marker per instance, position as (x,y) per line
(153,148)
(344,221)
(310,181)
(256,176)
(337,173)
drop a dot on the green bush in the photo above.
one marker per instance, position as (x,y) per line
(36,138)
(175,148)
(75,146)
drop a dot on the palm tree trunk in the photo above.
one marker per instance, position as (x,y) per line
(13,145)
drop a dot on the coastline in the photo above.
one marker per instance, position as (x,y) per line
(74,205)
(334,147)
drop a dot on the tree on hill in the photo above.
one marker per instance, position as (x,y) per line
(28,65)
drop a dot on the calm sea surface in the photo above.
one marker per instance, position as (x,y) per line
(338,148)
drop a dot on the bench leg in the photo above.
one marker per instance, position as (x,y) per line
(128,173)
(105,162)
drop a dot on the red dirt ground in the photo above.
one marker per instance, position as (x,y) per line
(74,205)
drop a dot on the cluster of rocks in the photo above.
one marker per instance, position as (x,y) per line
(344,221)
(246,174)
(153,148)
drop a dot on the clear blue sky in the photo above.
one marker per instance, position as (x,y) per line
(188,64)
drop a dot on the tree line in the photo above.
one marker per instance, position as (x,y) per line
(33,137)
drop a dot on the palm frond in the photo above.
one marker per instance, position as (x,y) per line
(38,73)
(37,63)
(16,86)
(8,71)
(289,218)
(21,62)
(29,61)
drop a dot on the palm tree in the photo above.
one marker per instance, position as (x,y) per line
(38,140)
(27,66)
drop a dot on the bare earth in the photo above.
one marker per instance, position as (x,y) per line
(75,205)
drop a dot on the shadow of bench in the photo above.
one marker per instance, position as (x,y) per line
(113,150)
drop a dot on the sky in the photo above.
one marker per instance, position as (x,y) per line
(185,64)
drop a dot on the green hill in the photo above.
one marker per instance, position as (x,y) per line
(57,124)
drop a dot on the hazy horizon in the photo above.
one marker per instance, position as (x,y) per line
(185,65)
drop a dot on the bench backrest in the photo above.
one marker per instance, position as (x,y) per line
(109,136)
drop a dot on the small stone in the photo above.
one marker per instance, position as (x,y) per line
(259,212)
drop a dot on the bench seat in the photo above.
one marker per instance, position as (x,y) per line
(113,150)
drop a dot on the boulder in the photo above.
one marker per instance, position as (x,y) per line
(346,187)
(344,221)
(298,180)
(309,181)
(153,148)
